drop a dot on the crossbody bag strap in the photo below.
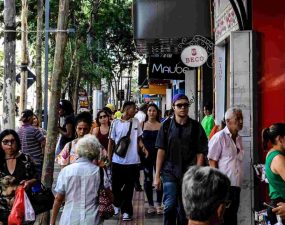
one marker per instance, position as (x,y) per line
(130,129)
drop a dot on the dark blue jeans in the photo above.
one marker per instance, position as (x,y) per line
(174,213)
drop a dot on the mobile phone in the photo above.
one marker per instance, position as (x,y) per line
(266,204)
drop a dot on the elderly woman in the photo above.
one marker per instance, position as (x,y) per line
(15,168)
(78,185)
(205,192)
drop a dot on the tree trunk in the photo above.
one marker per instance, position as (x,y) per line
(58,70)
(76,84)
(39,42)
(24,56)
(9,65)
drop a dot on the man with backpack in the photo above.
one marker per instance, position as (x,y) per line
(181,143)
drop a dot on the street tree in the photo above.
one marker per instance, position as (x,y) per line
(58,69)
(39,43)
(9,64)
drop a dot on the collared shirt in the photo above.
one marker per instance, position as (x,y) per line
(228,154)
(79,183)
(119,128)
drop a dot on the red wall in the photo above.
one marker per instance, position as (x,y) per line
(269,22)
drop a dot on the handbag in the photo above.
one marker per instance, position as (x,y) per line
(42,200)
(17,213)
(121,147)
(105,196)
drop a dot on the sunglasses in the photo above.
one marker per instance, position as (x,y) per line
(180,105)
(8,142)
(103,116)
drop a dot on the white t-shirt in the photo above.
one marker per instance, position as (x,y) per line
(120,128)
(140,115)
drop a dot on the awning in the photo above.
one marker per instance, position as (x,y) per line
(154,89)
(159,25)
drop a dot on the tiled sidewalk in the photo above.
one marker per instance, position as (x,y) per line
(140,217)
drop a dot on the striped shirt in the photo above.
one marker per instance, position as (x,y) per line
(31,139)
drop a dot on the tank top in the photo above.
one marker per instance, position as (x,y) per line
(103,139)
(276,183)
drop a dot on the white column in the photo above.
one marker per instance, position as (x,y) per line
(97,102)
(168,98)
(190,92)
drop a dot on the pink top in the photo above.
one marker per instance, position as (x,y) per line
(228,154)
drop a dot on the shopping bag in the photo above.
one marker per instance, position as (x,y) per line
(29,211)
(17,213)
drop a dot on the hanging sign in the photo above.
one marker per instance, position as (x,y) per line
(194,56)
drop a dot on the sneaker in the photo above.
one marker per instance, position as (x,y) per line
(151,210)
(159,210)
(116,211)
(126,217)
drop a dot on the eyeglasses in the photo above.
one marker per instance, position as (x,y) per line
(8,142)
(103,116)
(180,105)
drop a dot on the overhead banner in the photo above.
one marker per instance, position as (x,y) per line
(169,68)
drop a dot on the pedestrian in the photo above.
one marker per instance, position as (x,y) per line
(15,168)
(36,124)
(150,128)
(78,185)
(68,155)
(181,143)
(141,114)
(125,169)
(205,193)
(208,121)
(32,139)
(274,167)
(226,153)
(66,126)
(103,128)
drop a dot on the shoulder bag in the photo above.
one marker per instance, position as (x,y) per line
(42,200)
(105,196)
(121,147)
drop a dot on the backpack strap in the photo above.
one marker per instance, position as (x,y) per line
(166,128)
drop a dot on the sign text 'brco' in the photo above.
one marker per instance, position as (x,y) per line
(194,56)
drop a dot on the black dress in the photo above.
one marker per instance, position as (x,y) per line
(24,170)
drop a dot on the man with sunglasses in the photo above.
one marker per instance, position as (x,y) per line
(181,143)
(226,153)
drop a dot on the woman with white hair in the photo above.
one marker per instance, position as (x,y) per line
(78,185)
(205,193)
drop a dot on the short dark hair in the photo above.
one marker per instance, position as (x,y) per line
(209,106)
(66,106)
(128,104)
(6,132)
(26,114)
(85,117)
(203,190)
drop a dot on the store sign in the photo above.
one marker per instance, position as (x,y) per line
(194,56)
(170,68)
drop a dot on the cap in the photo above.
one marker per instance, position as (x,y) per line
(178,97)
(26,114)
(110,106)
